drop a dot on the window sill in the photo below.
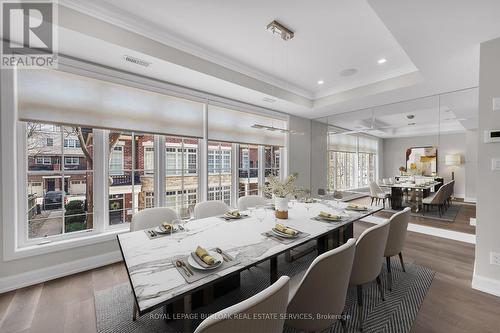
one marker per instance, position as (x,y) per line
(61,245)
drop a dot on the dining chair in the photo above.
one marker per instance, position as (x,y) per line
(209,208)
(367,264)
(239,317)
(250,201)
(314,293)
(377,194)
(438,199)
(152,217)
(396,240)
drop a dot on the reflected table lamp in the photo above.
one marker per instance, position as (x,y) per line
(453,160)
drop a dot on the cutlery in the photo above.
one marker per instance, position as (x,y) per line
(151,233)
(224,256)
(178,263)
(154,233)
(189,269)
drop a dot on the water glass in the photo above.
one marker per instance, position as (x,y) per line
(260,213)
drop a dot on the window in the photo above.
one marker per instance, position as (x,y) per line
(116,161)
(351,161)
(219,171)
(149,160)
(60,199)
(131,184)
(71,160)
(43,160)
(181,163)
(272,161)
(248,170)
(71,143)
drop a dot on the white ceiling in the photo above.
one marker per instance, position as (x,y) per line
(439,39)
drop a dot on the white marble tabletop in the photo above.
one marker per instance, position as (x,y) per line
(411,185)
(149,261)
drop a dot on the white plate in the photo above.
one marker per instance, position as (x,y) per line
(281,234)
(215,255)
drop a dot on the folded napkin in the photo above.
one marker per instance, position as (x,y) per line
(354,206)
(204,256)
(330,216)
(167,226)
(234,213)
(289,231)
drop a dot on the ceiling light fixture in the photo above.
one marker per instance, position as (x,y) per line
(348,72)
(276,28)
(320,82)
(382,61)
(274,129)
(411,124)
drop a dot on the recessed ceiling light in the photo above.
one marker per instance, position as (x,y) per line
(411,124)
(382,61)
(320,82)
(348,72)
(410,116)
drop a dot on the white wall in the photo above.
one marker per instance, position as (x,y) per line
(394,156)
(487,276)
(471,140)
(319,160)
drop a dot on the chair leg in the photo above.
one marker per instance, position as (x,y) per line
(372,201)
(359,291)
(134,316)
(379,283)
(402,262)
(389,273)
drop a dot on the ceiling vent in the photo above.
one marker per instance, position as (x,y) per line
(136,61)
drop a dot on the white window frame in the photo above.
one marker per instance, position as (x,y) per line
(117,172)
(72,158)
(45,160)
(13,180)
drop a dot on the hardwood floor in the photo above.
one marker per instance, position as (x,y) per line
(461,223)
(451,306)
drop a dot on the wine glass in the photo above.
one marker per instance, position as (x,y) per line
(260,213)
(250,210)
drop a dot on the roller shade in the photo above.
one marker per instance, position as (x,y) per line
(367,144)
(56,96)
(342,142)
(236,126)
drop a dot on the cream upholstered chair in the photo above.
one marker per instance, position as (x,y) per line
(250,201)
(439,199)
(322,289)
(209,208)
(377,194)
(367,264)
(272,300)
(152,217)
(396,240)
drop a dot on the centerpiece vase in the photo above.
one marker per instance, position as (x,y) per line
(281,207)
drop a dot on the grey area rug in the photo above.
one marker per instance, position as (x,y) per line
(114,305)
(449,215)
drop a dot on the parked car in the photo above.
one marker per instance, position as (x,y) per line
(53,200)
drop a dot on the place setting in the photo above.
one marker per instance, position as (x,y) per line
(201,262)
(333,217)
(284,234)
(164,229)
(234,215)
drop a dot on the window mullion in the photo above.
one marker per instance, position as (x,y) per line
(100,179)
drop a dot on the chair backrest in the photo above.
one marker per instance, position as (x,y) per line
(440,195)
(272,300)
(375,189)
(397,232)
(370,248)
(250,201)
(323,289)
(152,217)
(209,208)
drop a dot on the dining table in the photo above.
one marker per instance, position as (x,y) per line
(157,281)
(416,192)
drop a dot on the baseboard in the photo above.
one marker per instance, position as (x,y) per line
(470,200)
(486,285)
(56,271)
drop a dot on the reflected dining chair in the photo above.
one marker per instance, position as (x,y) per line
(396,240)
(315,294)
(439,199)
(367,264)
(272,300)
(250,201)
(152,217)
(377,194)
(209,208)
